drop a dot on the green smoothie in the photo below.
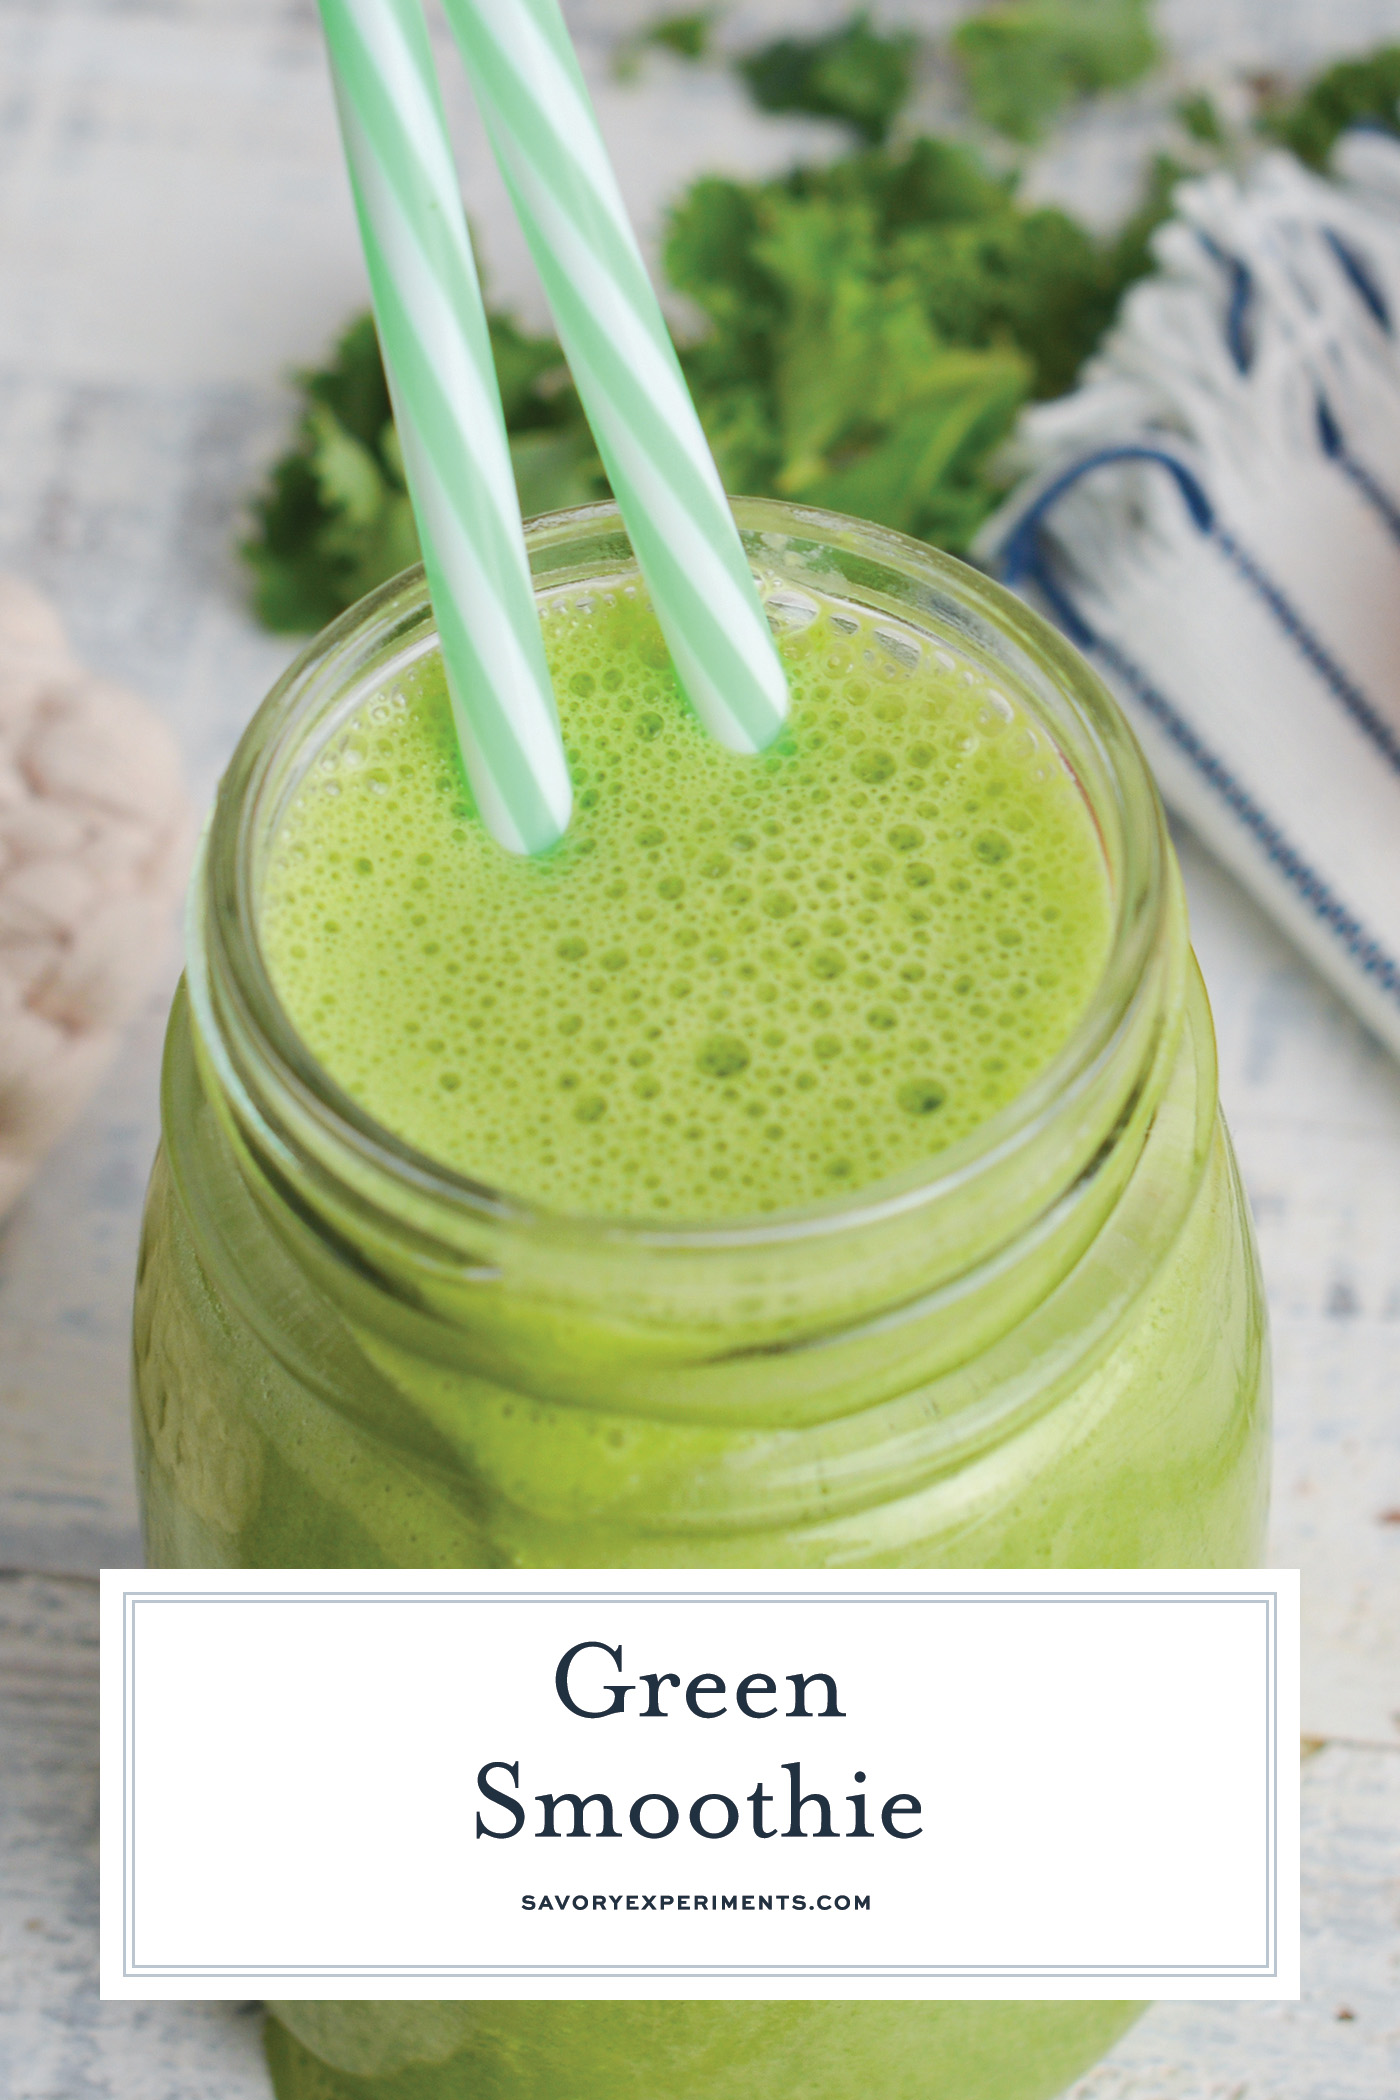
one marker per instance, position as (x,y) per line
(739,985)
(814,1161)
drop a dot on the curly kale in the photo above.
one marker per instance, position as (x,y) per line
(855,74)
(873,328)
(335,519)
(687,36)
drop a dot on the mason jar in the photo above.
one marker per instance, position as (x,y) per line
(1045,1349)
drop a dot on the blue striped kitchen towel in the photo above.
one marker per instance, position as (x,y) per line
(1214,517)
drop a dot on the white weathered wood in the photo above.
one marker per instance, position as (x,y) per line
(1341,2041)
(57,2041)
(1314,1105)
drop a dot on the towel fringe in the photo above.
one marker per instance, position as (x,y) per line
(1215,514)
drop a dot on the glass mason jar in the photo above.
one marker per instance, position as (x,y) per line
(1046,1349)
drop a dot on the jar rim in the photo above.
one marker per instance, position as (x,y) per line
(277,1088)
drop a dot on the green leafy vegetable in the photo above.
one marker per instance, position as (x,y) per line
(876,324)
(335,519)
(1358,91)
(1200,119)
(686,36)
(1025,59)
(873,328)
(855,74)
(327,519)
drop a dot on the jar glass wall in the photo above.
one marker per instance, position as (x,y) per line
(1046,1349)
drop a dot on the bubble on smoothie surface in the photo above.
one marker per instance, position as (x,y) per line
(738,985)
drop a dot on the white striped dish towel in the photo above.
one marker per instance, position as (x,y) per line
(1214,517)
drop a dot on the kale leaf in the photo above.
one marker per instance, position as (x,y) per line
(335,518)
(1025,59)
(686,36)
(855,74)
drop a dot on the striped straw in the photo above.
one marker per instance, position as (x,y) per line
(543,132)
(447,407)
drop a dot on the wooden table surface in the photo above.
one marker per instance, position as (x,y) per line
(174,234)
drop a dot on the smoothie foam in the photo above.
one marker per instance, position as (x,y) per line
(739,985)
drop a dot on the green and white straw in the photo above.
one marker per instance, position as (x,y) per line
(447,407)
(540,121)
